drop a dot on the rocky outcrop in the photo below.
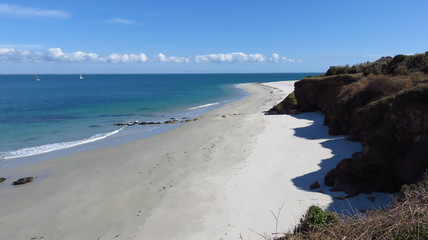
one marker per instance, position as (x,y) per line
(314,185)
(288,105)
(170,121)
(313,94)
(388,114)
(23,181)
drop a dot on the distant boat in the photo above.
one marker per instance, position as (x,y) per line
(37,77)
(81,77)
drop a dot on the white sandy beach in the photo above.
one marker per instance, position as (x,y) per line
(221,177)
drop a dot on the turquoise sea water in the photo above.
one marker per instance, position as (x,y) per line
(64,111)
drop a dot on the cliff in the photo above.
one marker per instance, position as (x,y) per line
(384,105)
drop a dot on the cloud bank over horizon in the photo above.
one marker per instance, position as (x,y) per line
(57,55)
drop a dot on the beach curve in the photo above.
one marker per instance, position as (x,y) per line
(216,178)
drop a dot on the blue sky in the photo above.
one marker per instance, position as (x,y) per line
(203,36)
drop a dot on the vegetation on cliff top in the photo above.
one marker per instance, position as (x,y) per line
(400,64)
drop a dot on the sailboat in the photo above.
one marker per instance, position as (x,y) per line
(81,77)
(37,77)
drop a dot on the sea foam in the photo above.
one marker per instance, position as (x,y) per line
(31,151)
(204,106)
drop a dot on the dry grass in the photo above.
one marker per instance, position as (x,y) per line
(388,85)
(382,85)
(418,77)
(349,91)
(407,219)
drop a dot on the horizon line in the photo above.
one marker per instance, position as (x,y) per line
(151,73)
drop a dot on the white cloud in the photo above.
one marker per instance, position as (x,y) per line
(83,57)
(127,58)
(230,57)
(57,55)
(121,21)
(275,57)
(54,54)
(179,59)
(118,58)
(24,12)
(11,54)
(163,58)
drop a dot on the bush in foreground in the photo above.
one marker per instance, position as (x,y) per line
(316,218)
(406,219)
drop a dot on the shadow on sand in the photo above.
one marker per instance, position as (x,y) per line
(340,149)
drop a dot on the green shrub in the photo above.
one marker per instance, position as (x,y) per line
(398,60)
(401,70)
(377,70)
(418,61)
(315,218)
(332,71)
(292,98)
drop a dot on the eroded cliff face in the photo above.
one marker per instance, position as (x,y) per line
(388,114)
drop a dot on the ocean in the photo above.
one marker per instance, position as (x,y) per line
(60,112)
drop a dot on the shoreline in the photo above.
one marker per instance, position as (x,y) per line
(216,178)
(130,133)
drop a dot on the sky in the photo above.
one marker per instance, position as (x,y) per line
(205,36)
